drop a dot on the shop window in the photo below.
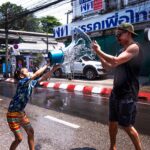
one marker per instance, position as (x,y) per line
(131,2)
(111,5)
(20,62)
(122,4)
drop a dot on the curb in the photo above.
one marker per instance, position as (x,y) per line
(89,89)
(84,89)
(80,88)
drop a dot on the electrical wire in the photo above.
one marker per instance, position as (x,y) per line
(31,11)
(53,7)
(58,3)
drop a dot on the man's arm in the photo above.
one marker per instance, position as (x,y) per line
(39,72)
(128,54)
(110,61)
(106,65)
(49,73)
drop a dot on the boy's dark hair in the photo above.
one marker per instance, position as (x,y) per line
(17,74)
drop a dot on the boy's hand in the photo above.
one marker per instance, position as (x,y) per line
(48,63)
(55,68)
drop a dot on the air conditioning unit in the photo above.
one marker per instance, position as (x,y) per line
(132,2)
(147,34)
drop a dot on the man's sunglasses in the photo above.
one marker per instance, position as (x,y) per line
(118,34)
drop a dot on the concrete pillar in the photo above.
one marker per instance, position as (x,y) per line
(125,2)
(104,5)
(74,9)
(119,4)
(27,62)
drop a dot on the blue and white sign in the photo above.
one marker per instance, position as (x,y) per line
(86,6)
(135,14)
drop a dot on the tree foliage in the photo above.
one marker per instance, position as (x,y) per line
(9,11)
(48,23)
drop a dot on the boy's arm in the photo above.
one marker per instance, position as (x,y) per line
(39,72)
(49,73)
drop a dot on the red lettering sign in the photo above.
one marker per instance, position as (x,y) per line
(98,4)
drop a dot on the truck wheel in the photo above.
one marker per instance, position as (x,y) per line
(90,74)
(58,73)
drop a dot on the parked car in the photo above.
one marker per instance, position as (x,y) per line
(84,66)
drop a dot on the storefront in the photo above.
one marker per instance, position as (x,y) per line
(23,53)
(101,27)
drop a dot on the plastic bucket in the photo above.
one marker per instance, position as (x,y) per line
(56,56)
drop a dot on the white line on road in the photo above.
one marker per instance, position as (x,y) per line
(1,99)
(62,122)
(144,103)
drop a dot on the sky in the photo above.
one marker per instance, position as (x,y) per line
(57,11)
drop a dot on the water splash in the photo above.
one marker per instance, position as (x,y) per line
(79,46)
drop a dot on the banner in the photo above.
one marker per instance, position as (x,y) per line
(135,14)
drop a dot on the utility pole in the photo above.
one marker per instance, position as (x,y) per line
(47,43)
(67,13)
(46,27)
(6,42)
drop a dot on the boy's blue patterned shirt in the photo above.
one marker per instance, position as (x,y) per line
(22,96)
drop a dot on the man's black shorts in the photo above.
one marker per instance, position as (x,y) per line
(122,110)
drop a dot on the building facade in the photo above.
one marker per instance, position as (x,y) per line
(24,47)
(99,18)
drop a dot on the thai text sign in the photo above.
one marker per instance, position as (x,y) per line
(134,14)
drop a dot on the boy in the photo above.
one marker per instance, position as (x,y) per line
(16,116)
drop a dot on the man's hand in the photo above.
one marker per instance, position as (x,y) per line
(96,47)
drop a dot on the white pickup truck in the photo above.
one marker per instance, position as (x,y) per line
(83,66)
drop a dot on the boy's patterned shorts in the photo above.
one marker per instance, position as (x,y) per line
(16,120)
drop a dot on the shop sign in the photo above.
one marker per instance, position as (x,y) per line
(134,14)
(87,6)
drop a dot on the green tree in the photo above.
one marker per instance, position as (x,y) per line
(48,23)
(10,11)
(38,59)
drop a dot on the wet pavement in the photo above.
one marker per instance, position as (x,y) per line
(70,121)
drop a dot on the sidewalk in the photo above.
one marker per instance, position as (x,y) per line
(103,87)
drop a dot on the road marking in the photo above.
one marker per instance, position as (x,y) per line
(62,122)
(1,99)
(144,103)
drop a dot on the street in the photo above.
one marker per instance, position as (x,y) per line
(77,53)
(70,121)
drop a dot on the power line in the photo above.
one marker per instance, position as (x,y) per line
(55,6)
(38,3)
(27,3)
(38,8)
(31,11)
